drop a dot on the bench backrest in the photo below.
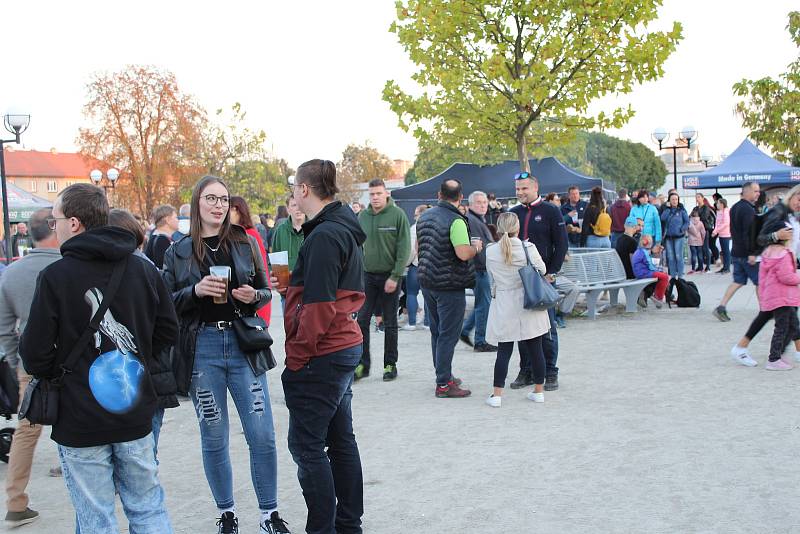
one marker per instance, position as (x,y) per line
(594,266)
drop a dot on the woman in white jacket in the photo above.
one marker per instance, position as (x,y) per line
(508,320)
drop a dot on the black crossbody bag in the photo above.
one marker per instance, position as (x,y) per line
(40,402)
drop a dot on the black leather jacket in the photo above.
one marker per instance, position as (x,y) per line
(181,273)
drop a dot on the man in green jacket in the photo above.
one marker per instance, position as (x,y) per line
(288,236)
(386,254)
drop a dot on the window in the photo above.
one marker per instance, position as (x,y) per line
(52,186)
(33,186)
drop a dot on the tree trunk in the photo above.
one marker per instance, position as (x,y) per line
(522,153)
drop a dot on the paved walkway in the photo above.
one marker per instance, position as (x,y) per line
(654,430)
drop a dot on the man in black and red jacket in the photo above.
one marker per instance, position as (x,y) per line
(323,347)
(542,224)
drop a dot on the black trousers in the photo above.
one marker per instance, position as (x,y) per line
(530,350)
(387,303)
(786,329)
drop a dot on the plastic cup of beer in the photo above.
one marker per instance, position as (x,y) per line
(280,268)
(221,271)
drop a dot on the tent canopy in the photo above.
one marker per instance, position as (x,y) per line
(553,176)
(746,164)
(22,204)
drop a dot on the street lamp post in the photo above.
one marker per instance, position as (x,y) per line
(688,135)
(111,175)
(15,123)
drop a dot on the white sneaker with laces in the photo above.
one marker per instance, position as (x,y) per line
(494,402)
(408,328)
(536,397)
(741,356)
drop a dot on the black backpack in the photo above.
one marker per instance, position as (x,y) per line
(688,295)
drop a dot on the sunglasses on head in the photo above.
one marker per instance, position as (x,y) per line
(522,176)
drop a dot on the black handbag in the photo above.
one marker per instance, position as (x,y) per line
(252,332)
(39,404)
(539,293)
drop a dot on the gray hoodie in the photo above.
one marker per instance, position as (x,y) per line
(16,293)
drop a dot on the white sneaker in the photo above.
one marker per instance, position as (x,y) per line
(742,357)
(658,303)
(408,328)
(423,327)
(536,397)
(494,402)
(797,356)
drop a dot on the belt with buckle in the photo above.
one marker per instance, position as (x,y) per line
(221,325)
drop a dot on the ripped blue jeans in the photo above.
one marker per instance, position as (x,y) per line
(220,366)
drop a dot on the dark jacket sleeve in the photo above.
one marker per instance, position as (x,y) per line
(684,221)
(403,250)
(774,220)
(558,237)
(37,348)
(165,332)
(183,299)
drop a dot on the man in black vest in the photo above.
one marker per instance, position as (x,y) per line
(445,271)
(542,224)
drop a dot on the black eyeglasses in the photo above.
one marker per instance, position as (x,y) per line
(522,176)
(213,199)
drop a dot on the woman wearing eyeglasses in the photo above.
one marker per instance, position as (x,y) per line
(208,361)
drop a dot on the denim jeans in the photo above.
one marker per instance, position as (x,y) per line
(158,420)
(93,475)
(447,317)
(378,300)
(673,248)
(594,241)
(614,237)
(697,257)
(725,250)
(480,314)
(220,366)
(319,400)
(412,290)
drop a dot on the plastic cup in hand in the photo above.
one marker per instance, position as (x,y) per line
(279,261)
(221,271)
(656,261)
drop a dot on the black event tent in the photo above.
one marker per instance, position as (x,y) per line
(553,176)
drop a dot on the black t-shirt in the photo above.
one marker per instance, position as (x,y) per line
(210,312)
(626,245)
(157,245)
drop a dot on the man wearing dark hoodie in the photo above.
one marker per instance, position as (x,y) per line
(323,348)
(386,253)
(107,400)
(620,210)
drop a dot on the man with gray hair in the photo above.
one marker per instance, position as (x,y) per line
(184,217)
(476,217)
(16,294)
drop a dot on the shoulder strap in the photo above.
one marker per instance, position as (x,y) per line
(94,324)
(527,257)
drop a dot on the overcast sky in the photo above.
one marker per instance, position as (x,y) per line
(310,72)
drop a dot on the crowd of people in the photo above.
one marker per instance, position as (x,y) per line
(192,317)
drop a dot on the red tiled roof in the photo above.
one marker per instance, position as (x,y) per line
(34,163)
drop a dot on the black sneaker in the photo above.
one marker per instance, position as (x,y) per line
(551,383)
(523,379)
(721,313)
(466,340)
(484,347)
(389,373)
(17,519)
(228,524)
(274,525)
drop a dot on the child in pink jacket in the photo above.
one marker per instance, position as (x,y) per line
(779,293)
(697,243)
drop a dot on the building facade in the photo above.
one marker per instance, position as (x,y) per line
(46,174)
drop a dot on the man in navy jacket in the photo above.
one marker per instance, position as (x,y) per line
(542,224)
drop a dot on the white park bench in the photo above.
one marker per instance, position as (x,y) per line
(597,270)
